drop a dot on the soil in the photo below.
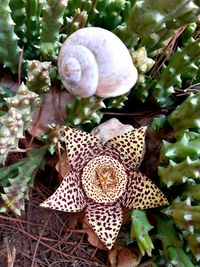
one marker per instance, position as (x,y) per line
(43,237)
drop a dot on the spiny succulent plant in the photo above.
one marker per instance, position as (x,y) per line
(139,231)
(116,102)
(181,65)
(181,149)
(193,241)
(154,32)
(143,64)
(191,191)
(85,110)
(9,57)
(76,22)
(154,24)
(52,21)
(33,11)
(17,180)
(38,79)
(172,245)
(88,110)
(100,183)
(16,120)
(178,173)
(184,214)
(186,116)
(180,165)
(19,17)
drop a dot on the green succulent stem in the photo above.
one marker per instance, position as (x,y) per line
(151,22)
(181,65)
(52,21)
(192,192)
(193,241)
(33,11)
(77,22)
(16,120)
(139,231)
(20,178)
(172,245)
(85,110)
(38,79)
(177,173)
(9,49)
(180,150)
(116,102)
(187,115)
(185,215)
(10,171)
(19,17)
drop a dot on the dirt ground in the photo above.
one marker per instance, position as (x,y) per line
(43,237)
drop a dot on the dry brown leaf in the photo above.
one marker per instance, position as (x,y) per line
(121,256)
(11,253)
(62,165)
(75,218)
(52,111)
(92,237)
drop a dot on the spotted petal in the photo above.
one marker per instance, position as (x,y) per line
(106,221)
(81,147)
(142,193)
(69,196)
(128,147)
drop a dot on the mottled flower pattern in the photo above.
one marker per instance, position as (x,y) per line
(103,179)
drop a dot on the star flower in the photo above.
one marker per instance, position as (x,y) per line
(103,179)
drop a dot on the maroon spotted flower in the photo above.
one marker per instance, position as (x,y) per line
(103,179)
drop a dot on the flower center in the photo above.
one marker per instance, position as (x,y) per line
(104,179)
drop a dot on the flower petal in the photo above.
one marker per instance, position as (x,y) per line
(81,147)
(128,147)
(69,196)
(106,221)
(142,193)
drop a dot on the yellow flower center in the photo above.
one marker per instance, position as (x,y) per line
(104,179)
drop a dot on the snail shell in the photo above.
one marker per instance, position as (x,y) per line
(94,61)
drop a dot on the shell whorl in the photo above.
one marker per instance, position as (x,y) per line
(77,65)
(94,61)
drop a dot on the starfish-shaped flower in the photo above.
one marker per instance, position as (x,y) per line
(103,179)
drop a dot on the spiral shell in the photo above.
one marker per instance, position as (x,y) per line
(94,61)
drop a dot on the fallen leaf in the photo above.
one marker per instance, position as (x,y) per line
(121,256)
(92,237)
(62,165)
(75,219)
(52,111)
